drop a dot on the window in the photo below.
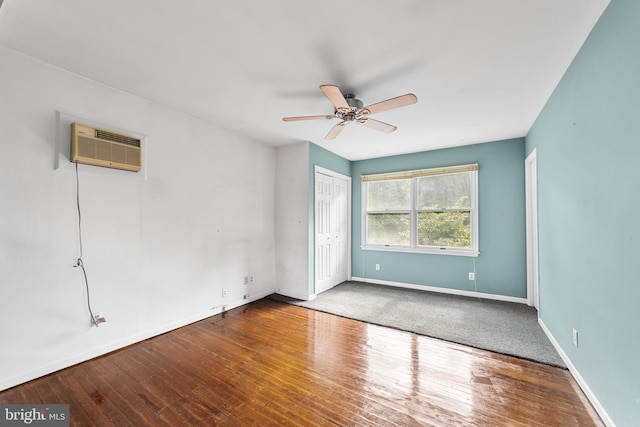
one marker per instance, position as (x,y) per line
(429,210)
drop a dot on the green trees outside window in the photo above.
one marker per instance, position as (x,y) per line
(421,212)
(389,217)
(444,210)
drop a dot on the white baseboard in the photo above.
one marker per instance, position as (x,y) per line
(100,351)
(442,290)
(296,295)
(606,419)
(572,369)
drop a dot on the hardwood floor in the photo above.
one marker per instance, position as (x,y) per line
(273,364)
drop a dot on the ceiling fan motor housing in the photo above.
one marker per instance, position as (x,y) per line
(353,102)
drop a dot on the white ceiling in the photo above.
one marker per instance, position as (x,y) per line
(481,69)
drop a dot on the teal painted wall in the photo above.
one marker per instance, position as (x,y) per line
(589,210)
(318,156)
(328,160)
(501,266)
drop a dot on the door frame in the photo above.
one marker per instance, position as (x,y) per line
(531,209)
(324,171)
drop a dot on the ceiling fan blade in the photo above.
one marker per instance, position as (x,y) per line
(295,119)
(335,131)
(377,125)
(389,104)
(335,96)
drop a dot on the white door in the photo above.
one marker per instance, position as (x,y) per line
(340,229)
(332,230)
(531,182)
(323,201)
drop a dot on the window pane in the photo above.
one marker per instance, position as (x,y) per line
(388,229)
(444,229)
(445,191)
(389,195)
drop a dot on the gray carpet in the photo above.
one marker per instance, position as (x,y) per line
(502,327)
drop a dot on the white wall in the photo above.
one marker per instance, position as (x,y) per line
(292,221)
(157,251)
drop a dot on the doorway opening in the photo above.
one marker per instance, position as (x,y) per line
(531,182)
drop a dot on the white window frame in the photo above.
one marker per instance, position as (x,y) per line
(413,247)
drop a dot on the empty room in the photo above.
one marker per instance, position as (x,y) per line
(291,213)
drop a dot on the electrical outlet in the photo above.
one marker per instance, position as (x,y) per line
(246,280)
(99,318)
(575,337)
(472,275)
(377,267)
(224,292)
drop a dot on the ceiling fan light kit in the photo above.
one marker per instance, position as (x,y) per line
(348,109)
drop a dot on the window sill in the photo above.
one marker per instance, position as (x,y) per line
(431,251)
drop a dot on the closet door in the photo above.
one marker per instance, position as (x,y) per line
(323,201)
(332,230)
(340,230)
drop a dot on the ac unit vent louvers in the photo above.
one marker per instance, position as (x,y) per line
(108,136)
(99,147)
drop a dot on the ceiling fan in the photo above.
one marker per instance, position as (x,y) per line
(348,109)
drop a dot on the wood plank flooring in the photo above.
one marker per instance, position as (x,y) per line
(273,364)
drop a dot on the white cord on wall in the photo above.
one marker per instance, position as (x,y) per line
(79,262)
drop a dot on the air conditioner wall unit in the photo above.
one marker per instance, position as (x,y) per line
(99,147)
